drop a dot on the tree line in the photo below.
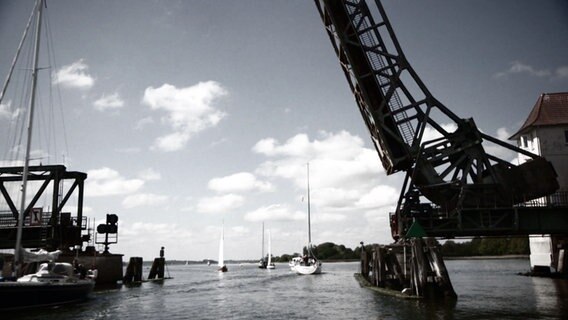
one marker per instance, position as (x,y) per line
(476,247)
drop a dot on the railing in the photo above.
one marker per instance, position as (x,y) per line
(7,220)
(557,199)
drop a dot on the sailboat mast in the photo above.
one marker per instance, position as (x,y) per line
(262,253)
(17,254)
(309,223)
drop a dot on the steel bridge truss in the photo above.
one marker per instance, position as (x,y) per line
(51,230)
(452,171)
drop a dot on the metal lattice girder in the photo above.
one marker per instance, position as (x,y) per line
(452,171)
(512,221)
(56,228)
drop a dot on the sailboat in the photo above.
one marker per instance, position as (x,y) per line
(270,264)
(54,283)
(263,261)
(221,264)
(308,264)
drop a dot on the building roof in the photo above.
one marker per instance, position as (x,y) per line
(550,109)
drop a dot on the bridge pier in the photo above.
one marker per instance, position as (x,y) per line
(413,268)
(549,256)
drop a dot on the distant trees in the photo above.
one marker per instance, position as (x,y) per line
(476,247)
(327,251)
(486,247)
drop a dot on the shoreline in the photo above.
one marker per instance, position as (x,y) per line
(506,256)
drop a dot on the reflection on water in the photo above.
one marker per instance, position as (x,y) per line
(487,289)
(551,295)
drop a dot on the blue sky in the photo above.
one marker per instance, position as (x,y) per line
(188,113)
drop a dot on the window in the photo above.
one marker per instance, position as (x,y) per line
(523,141)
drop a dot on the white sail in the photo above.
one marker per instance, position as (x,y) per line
(269,249)
(221,245)
(308,264)
(270,264)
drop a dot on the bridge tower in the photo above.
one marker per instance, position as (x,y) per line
(545,133)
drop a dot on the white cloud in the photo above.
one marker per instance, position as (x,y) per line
(6,111)
(149,174)
(501,152)
(189,111)
(107,182)
(143,123)
(112,101)
(240,230)
(74,76)
(562,72)
(220,204)
(144,200)
(518,67)
(328,217)
(275,212)
(239,182)
(430,133)
(379,196)
(336,160)
(162,231)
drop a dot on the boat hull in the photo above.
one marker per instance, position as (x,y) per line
(27,295)
(311,269)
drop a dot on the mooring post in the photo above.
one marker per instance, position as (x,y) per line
(133,270)
(157,270)
(381,264)
(442,276)
(364,262)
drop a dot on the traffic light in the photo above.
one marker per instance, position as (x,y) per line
(110,226)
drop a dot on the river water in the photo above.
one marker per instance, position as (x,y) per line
(487,289)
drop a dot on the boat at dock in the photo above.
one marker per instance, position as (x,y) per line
(54,283)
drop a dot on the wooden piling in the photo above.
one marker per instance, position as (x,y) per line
(424,271)
(364,263)
(133,271)
(157,270)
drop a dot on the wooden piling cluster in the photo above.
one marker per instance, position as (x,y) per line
(414,267)
(157,270)
(134,270)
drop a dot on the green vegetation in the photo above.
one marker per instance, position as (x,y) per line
(328,251)
(476,247)
(486,247)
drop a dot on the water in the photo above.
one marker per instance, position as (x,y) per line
(487,289)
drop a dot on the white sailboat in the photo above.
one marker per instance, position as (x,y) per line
(270,264)
(221,264)
(262,262)
(308,264)
(54,283)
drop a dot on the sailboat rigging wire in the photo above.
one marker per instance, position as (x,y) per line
(17,254)
(53,65)
(17,54)
(21,94)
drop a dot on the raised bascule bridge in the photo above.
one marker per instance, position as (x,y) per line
(453,187)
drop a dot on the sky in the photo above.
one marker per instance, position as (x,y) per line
(189,116)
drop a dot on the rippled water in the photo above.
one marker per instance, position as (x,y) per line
(487,289)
